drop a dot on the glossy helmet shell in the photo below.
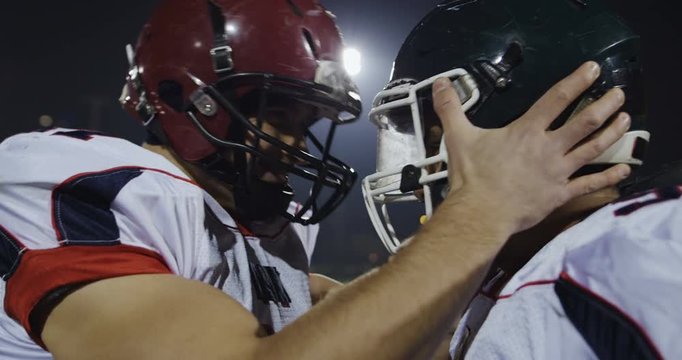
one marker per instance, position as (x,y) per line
(534,43)
(283,38)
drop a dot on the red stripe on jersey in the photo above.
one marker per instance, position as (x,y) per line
(189,181)
(42,271)
(532,283)
(244,230)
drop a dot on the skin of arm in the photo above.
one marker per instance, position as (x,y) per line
(428,283)
(321,286)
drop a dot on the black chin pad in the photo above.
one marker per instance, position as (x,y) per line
(260,200)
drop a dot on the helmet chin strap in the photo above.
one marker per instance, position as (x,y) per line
(254,199)
(258,200)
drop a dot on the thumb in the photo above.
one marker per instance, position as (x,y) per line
(457,129)
(448,107)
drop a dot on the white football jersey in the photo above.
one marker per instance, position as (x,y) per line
(76,207)
(607,288)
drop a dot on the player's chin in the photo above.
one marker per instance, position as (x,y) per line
(274,178)
(270,173)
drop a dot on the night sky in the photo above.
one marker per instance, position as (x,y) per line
(66,59)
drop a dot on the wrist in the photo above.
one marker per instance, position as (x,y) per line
(484,213)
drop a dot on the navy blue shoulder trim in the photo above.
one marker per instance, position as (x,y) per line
(10,253)
(81,207)
(610,333)
(79,134)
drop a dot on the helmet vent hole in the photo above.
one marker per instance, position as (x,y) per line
(310,43)
(170,92)
(295,8)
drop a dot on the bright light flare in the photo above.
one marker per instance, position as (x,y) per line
(352,61)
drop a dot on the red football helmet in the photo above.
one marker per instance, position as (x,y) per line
(202,68)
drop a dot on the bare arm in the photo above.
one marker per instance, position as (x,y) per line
(321,286)
(427,284)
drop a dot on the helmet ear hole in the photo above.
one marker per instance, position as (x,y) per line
(170,92)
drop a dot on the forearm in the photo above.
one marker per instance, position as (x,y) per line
(395,312)
(321,286)
(402,306)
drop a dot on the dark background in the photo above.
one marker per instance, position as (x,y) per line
(66,59)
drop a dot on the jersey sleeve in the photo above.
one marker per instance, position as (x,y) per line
(607,288)
(629,277)
(89,214)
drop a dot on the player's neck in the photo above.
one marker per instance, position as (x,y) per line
(522,246)
(170,156)
(220,191)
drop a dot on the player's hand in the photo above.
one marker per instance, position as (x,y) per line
(521,172)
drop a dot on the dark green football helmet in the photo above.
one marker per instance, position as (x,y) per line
(501,55)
